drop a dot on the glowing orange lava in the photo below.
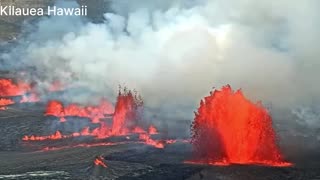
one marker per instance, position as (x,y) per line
(229,129)
(5,102)
(95,113)
(9,88)
(55,136)
(148,140)
(126,115)
(84,145)
(100,162)
(153,130)
(127,112)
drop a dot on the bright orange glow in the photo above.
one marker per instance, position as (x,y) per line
(84,145)
(9,88)
(5,102)
(127,112)
(138,130)
(95,113)
(99,162)
(153,130)
(55,136)
(229,129)
(148,140)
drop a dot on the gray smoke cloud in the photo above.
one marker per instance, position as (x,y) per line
(174,52)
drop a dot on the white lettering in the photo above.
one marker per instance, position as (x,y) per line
(3,10)
(33,12)
(52,11)
(68,11)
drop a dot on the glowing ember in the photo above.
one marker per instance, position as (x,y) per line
(228,129)
(9,88)
(100,162)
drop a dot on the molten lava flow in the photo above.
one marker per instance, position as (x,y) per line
(101,132)
(153,130)
(85,145)
(57,135)
(147,139)
(95,113)
(54,108)
(127,112)
(100,162)
(9,88)
(228,129)
(5,102)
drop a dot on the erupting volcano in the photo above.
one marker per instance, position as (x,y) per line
(126,119)
(229,129)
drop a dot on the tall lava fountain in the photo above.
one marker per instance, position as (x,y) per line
(229,129)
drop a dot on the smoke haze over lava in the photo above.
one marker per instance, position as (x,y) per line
(173,52)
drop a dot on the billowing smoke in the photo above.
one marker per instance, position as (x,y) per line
(174,52)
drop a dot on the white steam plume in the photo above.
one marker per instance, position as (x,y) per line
(174,52)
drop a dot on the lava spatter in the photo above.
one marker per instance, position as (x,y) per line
(127,113)
(229,129)
(100,162)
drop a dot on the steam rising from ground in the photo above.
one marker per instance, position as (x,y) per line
(174,52)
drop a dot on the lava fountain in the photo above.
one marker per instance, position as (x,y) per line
(127,113)
(229,129)
(126,119)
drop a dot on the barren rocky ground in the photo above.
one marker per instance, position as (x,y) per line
(26,160)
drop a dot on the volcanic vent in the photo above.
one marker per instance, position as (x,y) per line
(126,120)
(229,129)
